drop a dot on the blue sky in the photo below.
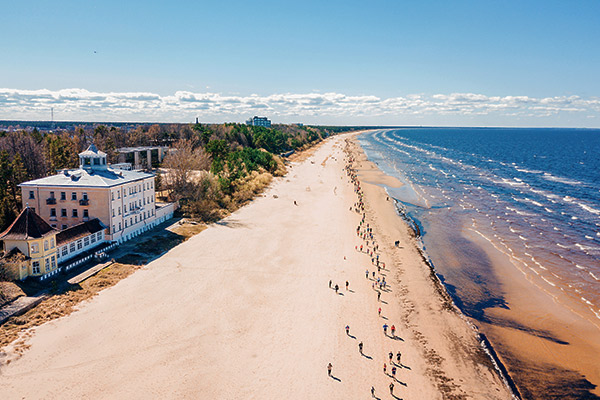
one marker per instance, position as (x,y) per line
(173,61)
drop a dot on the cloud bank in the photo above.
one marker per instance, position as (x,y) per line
(184,106)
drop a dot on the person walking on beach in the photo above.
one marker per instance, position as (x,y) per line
(385,368)
(394,372)
(329,367)
(385,326)
(391,355)
(347,285)
(330,284)
(337,288)
(360,347)
(367,273)
(393,330)
(392,388)
(398,356)
(347,330)
(372,391)
(379,311)
(378,296)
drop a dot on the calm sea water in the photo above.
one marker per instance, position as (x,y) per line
(534,194)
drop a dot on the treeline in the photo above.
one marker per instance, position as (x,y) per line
(230,164)
(234,158)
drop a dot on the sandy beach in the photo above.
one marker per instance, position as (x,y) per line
(244,310)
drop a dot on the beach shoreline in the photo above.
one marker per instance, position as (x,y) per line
(243,309)
(547,347)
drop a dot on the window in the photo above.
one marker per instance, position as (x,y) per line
(119,226)
(47,264)
(45,245)
(112,196)
(136,219)
(53,262)
(63,195)
(96,161)
(99,234)
(113,212)
(119,210)
(35,268)
(65,251)
(85,213)
(52,243)
(114,229)
(125,223)
(79,244)
(51,195)
(86,241)
(84,196)
(72,247)
(93,238)
(53,225)
(75,213)
(63,212)
(73,196)
(53,212)
(31,194)
(35,248)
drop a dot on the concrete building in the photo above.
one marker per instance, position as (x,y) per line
(123,201)
(143,157)
(259,121)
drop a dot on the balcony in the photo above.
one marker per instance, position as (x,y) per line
(51,200)
(84,202)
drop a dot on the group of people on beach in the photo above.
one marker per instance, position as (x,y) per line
(370,247)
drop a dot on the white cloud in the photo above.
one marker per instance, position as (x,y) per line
(183,106)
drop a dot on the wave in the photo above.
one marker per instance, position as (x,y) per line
(528,171)
(549,177)
(589,209)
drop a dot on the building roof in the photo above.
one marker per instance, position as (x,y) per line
(89,178)
(28,225)
(78,231)
(139,148)
(92,151)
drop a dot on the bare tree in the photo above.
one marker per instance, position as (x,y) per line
(181,167)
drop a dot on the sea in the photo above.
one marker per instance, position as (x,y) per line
(532,194)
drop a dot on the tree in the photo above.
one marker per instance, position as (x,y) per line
(181,164)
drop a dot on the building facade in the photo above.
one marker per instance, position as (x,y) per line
(123,201)
(259,121)
(29,246)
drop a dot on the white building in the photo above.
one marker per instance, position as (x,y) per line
(259,121)
(123,201)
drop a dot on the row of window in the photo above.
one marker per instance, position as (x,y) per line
(35,248)
(80,244)
(50,265)
(134,220)
(132,190)
(74,213)
(132,206)
(63,195)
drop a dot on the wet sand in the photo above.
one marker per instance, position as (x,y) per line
(243,310)
(550,350)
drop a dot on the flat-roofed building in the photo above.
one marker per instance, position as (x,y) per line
(259,121)
(123,201)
